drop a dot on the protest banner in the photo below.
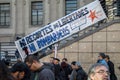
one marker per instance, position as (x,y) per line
(60,29)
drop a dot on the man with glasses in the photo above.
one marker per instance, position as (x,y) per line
(98,72)
(39,69)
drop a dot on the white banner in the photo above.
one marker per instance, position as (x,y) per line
(60,29)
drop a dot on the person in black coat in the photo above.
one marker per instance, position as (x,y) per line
(57,69)
(111,68)
(80,73)
(66,70)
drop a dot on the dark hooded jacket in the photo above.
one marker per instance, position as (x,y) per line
(81,74)
(44,74)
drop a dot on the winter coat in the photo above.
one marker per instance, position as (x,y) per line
(44,74)
(112,71)
(81,74)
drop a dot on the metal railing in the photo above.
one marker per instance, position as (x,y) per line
(7,51)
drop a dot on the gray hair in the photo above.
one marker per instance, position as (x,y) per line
(93,68)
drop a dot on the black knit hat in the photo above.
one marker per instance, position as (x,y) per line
(102,55)
(18,67)
(65,59)
(57,59)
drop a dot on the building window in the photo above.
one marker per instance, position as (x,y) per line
(37,13)
(118,7)
(70,6)
(4,14)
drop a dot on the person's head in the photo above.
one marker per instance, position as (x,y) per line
(18,70)
(75,65)
(63,64)
(107,58)
(18,37)
(51,59)
(56,61)
(33,62)
(98,72)
(101,56)
(64,60)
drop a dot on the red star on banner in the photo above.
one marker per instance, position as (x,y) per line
(92,15)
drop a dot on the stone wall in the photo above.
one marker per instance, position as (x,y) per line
(86,50)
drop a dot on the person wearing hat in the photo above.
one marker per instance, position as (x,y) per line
(56,60)
(101,59)
(57,69)
(66,68)
(78,73)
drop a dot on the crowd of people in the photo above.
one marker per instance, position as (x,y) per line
(33,69)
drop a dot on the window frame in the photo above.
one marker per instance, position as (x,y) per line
(7,14)
(37,20)
(70,6)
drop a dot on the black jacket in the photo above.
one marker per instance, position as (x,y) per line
(112,71)
(81,74)
(44,74)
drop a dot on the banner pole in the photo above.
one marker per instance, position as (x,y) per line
(55,54)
